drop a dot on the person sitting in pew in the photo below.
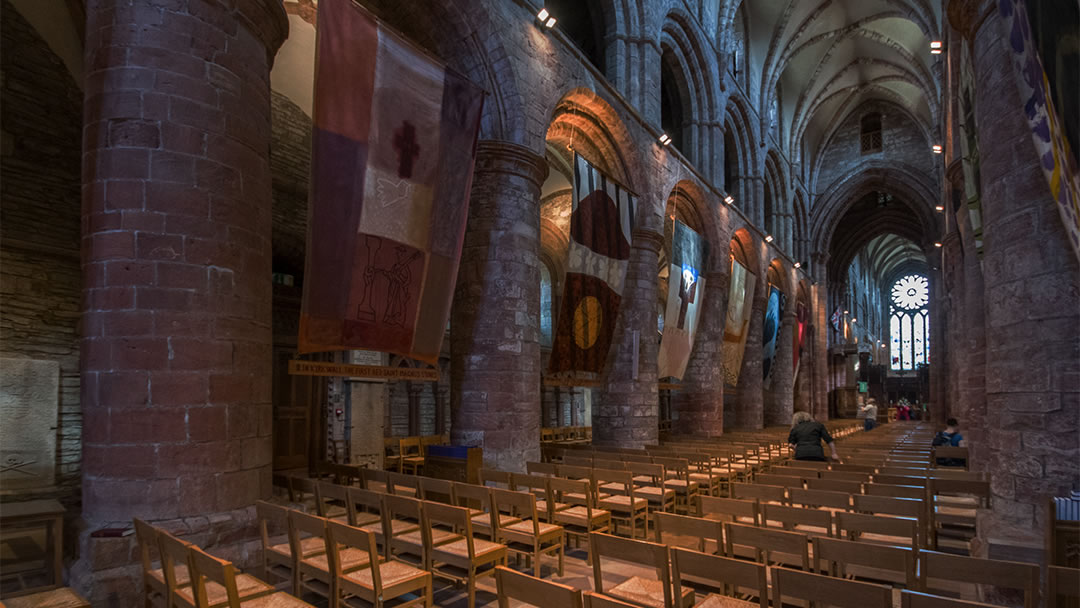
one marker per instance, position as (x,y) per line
(805,438)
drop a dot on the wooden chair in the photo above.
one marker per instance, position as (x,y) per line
(375,480)
(698,530)
(828,591)
(876,529)
(402,484)
(901,507)
(622,501)
(733,576)
(301,489)
(154,587)
(835,485)
(767,546)
(332,501)
(277,554)
(848,559)
(379,582)
(914,599)
(391,454)
(949,454)
(412,457)
(954,575)
(461,561)
(882,489)
(528,536)
(216,583)
(599,600)
(536,485)
(314,573)
(952,506)
(763,493)
(820,499)
(774,479)
(411,541)
(648,592)
(540,468)
(60,597)
(649,484)
(900,480)
(176,569)
(365,509)
(795,519)
(532,591)
(701,472)
(730,509)
(856,476)
(493,478)
(1062,582)
(578,521)
(677,471)
(436,490)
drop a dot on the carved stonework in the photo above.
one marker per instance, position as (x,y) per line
(966,16)
(29,397)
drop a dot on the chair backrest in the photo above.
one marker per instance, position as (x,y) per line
(914,599)
(881,489)
(206,567)
(761,492)
(146,537)
(398,482)
(1062,581)
(364,500)
(730,509)
(978,571)
(300,488)
(456,518)
(570,471)
(900,480)
(827,590)
(611,464)
(578,459)
(326,494)
(646,469)
(472,496)
(768,544)
(832,556)
(375,479)
(537,485)
(409,446)
(640,552)
(858,476)
(514,585)
(778,479)
(174,552)
(599,600)
(518,504)
(338,534)
(267,514)
(961,487)
(495,479)
(835,485)
(437,490)
(402,507)
(820,498)
(302,526)
(733,575)
(561,487)
(679,466)
(887,505)
(540,468)
(698,529)
(791,517)
(623,478)
(856,525)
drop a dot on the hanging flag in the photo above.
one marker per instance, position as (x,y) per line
(737,322)
(836,317)
(392,160)
(774,314)
(600,231)
(686,288)
(801,317)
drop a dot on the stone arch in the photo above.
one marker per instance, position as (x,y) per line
(776,200)
(690,67)
(743,248)
(778,274)
(740,148)
(584,122)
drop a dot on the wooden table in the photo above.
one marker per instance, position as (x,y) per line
(33,514)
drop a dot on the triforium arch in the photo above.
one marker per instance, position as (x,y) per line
(585,123)
(740,154)
(776,201)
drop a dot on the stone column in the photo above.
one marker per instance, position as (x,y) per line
(757,210)
(495,322)
(628,412)
(820,336)
(749,409)
(701,401)
(176,257)
(781,399)
(1031,276)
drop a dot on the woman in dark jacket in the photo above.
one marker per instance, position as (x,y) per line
(805,438)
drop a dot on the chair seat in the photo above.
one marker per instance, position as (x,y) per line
(391,573)
(183,577)
(623,503)
(681,485)
(363,518)
(312,545)
(644,592)
(351,559)
(613,488)
(655,493)
(541,507)
(438,537)
(644,480)
(723,601)
(397,526)
(64,597)
(246,586)
(277,600)
(579,516)
(459,550)
(526,527)
(483,521)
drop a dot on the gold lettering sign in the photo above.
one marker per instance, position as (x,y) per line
(324,368)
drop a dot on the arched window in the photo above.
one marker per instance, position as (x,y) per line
(671,100)
(909,323)
(584,24)
(545,306)
(870,133)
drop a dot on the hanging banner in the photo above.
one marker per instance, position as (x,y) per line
(1044,120)
(686,288)
(393,145)
(774,314)
(601,224)
(737,321)
(801,318)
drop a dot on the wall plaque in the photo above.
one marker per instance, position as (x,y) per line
(29,398)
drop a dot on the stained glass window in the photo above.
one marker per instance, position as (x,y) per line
(909,323)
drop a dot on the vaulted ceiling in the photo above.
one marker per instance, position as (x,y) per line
(830,56)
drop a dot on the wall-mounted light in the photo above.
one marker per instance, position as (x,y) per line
(936,148)
(664,139)
(935,47)
(768,238)
(545,18)
(845,312)
(937,244)
(730,200)
(939,208)
(798,264)
(853,319)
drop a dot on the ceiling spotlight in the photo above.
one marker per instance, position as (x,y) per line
(937,244)
(768,238)
(939,208)
(550,23)
(936,148)
(853,319)
(935,47)
(664,139)
(798,264)
(845,312)
(545,18)
(729,199)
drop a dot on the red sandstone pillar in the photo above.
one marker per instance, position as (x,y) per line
(629,404)
(819,334)
(701,410)
(176,257)
(495,323)
(749,408)
(780,399)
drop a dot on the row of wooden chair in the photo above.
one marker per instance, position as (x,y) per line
(188,577)
(407,454)
(566,435)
